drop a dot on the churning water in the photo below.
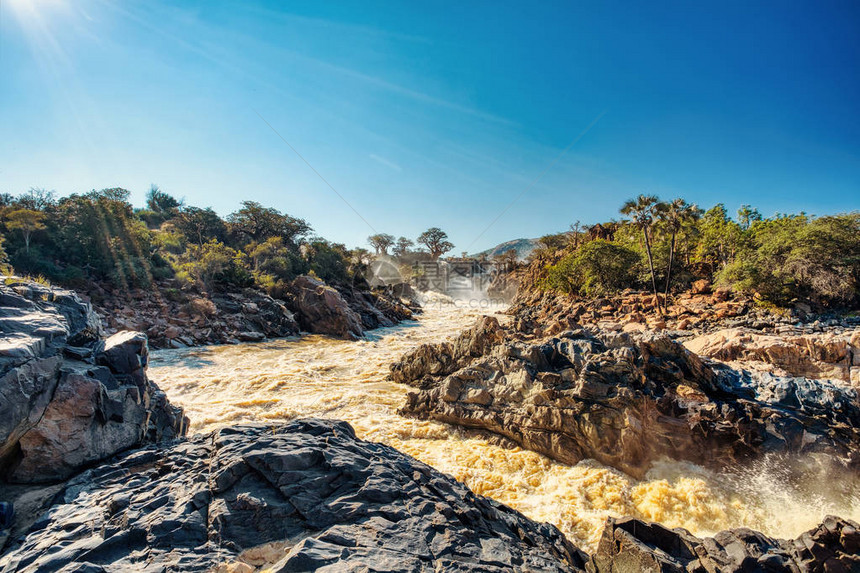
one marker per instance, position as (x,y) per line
(323,377)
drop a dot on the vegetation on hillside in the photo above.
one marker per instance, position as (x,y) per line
(664,247)
(99,236)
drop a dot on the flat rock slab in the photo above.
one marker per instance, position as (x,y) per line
(316,497)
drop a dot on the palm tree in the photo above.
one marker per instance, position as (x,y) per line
(673,216)
(642,212)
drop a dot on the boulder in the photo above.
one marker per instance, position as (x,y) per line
(302,496)
(629,546)
(626,400)
(817,355)
(701,286)
(256,312)
(322,310)
(67,398)
(428,360)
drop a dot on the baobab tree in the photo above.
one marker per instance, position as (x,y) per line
(436,241)
(642,212)
(380,242)
(403,246)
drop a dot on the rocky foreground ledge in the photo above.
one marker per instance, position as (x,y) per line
(310,496)
(303,496)
(69,397)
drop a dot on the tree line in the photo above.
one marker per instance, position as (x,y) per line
(663,246)
(434,240)
(99,236)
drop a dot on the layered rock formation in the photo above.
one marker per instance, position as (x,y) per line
(304,496)
(633,546)
(68,398)
(173,318)
(702,310)
(323,310)
(827,355)
(625,399)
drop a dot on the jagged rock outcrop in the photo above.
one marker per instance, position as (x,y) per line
(302,496)
(68,398)
(252,316)
(819,355)
(626,400)
(177,318)
(172,318)
(418,366)
(322,309)
(632,546)
(702,310)
(378,308)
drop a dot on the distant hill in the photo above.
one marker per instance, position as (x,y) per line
(523,248)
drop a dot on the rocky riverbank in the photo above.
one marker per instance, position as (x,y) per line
(716,323)
(68,396)
(103,479)
(175,318)
(625,399)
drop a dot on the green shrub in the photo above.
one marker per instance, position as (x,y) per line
(597,268)
(213,266)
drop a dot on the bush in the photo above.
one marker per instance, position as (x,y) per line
(212,266)
(795,257)
(597,268)
(328,261)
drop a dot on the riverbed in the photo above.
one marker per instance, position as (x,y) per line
(318,376)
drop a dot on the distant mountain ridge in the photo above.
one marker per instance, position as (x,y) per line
(523,247)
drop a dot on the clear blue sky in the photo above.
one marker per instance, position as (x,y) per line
(435,113)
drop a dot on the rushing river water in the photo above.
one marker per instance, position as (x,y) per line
(322,377)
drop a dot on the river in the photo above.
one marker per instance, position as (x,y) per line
(322,377)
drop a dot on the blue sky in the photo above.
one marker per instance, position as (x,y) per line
(435,113)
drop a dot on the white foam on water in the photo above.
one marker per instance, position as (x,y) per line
(323,377)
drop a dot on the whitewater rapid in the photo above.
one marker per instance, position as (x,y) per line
(317,376)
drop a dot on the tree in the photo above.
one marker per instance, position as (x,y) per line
(36,199)
(274,257)
(794,257)
(200,225)
(27,221)
(575,227)
(720,237)
(100,233)
(3,257)
(380,242)
(255,223)
(507,259)
(747,216)
(402,246)
(328,261)
(160,202)
(212,263)
(674,216)
(598,268)
(642,211)
(436,241)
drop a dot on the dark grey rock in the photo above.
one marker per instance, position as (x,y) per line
(332,503)
(68,398)
(629,546)
(625,400)
(322,309)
